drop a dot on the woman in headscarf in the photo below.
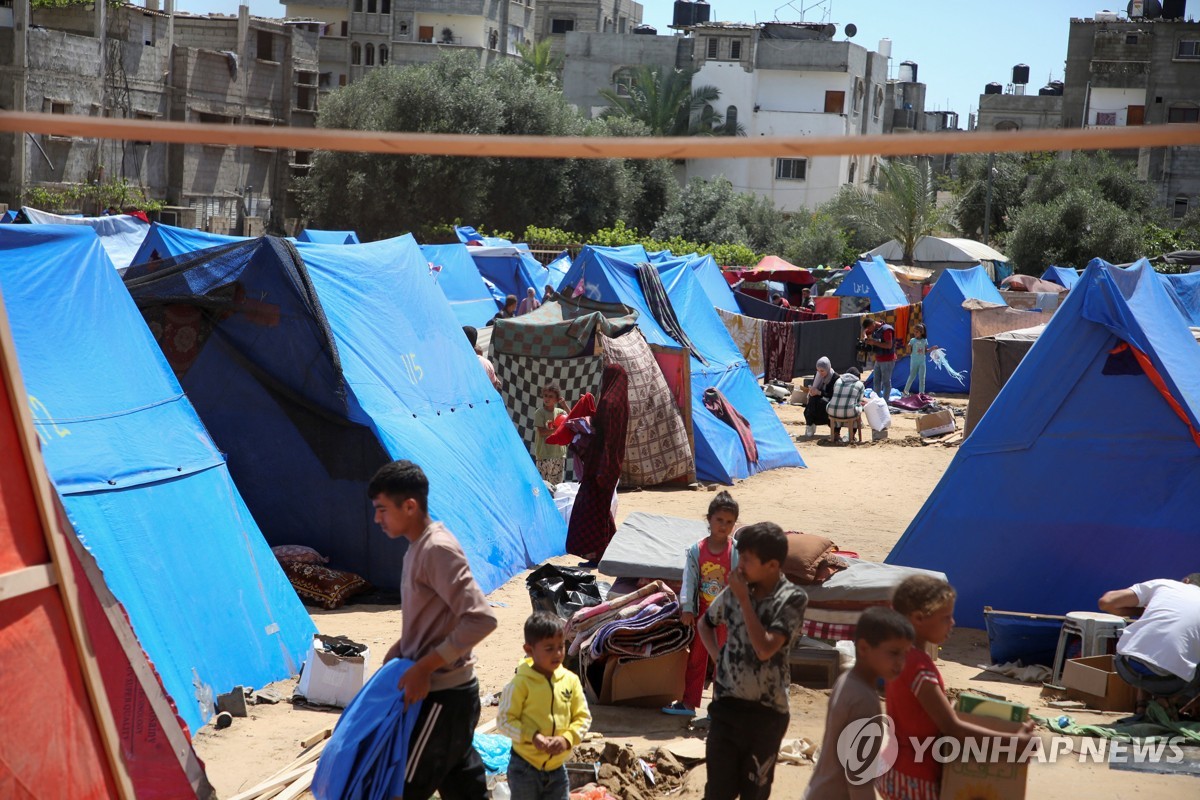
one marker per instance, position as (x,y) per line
(592,525)
(818,397)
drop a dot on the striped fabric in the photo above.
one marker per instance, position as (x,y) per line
(894,785)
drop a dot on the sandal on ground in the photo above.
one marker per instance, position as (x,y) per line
(679,710)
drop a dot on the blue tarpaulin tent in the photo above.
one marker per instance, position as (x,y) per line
(949,327)
(708,273)
(874,280)
(467,234)
(147,491)
(454,272)
(8,216)
(120,234)
(558,269)
(1122,508)
(165,241)
(609,274)
(328,237)
(310,373)
(511,269)
(1063,276)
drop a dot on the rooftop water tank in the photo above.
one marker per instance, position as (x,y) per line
(885,48)
(993,88)
(646,30)
(1020,75)
(703,11)
(1047,91)
(1144,9)
(908,72)
(1174,9)
(1106,16)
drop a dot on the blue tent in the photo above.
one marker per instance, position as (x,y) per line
(322,362)
(1063,276)
(558,269)
(467,234)
(873,279)
(165,241)
(1052,500)
(708,273)
(146,490)
(1185,291)
(455,274)
(949,327)
(511,269)
(328,237)
(609,274)
(8,216)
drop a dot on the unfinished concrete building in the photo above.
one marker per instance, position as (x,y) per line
(1140,71)
(557,18)
(141,63)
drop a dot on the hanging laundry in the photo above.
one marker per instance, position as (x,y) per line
(723,410)
(779,350)
(747,333)
(660,307)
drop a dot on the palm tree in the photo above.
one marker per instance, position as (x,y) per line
(902,207)
(539,62)
(665,101)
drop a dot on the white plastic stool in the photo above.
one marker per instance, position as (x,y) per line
(1094,630)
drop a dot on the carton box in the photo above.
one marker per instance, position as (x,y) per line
(645,683)
(328,679)
(936,424)
(1002,780)
(1094,681)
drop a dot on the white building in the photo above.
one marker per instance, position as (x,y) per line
(791,80)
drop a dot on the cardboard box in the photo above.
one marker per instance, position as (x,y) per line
(1094,681)
(332,680)
(645,683)
(936,424)
(1005,780)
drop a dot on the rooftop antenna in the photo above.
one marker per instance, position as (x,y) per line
(802,9)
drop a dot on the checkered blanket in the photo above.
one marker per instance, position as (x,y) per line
(562,328)
(522,379)
(656,446)
(904,320)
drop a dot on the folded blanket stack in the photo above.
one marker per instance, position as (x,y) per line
(642,624)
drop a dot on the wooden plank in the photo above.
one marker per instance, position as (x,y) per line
(23,581)
(320,735)
(281,778)
(56,541)
(299,786)
(1026,141)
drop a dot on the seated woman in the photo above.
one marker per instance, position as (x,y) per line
(818,397)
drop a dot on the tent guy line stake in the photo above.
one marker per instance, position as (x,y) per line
(491,146)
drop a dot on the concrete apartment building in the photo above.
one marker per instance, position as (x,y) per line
(359,35)
(792,80)
(1140,71)
(556,18)
(140,63)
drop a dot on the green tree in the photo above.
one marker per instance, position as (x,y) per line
(664,100)
(381,195)
(903,207)
(540,63)
(1070,229)
(818,241)
(1010,171)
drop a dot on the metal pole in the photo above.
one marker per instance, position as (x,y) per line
(987,204)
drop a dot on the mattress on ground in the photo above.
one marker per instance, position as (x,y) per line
(863,584)
(651,546)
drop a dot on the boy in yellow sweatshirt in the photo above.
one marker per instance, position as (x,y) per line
(544,712)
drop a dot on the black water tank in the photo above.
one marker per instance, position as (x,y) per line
(685,14)
(993,88)
(1174,9)
(1150,9)
(1057,86)
(1047,91)
(646,30)
(1021,74)
(703,11)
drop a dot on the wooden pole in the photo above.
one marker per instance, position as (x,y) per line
(1102,138)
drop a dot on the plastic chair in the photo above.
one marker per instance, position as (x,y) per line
(1093,629)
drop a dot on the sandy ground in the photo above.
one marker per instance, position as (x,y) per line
(818,499)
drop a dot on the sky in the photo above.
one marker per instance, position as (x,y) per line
(959,45)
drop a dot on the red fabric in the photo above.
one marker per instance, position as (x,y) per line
(584,407)
(714,576)
(911,720)
(592,525)
(723,410)
(1157,379)
(830,306)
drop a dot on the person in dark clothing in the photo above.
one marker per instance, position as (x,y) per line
(815,412)
(592,526)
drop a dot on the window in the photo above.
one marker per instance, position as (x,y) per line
(358,5)
(325,80)
(213,119)
(623,81)
(369,55)
(1131,38)
(383,55)
(562,25)
(858,95)
(355,53)
(835,102)
(1183,114)
(1181,206)
(265,48)
(372,6)
(791,169)
(1188,48)
(878,104)
(385,6)
(345,28)
(713,44)
(56,107)
(306,98)
(621,22)
(735,50)
(731,122)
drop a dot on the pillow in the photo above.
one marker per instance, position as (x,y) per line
(806,553)
(298,552)
(322,586)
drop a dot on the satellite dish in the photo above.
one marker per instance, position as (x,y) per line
(850,30)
